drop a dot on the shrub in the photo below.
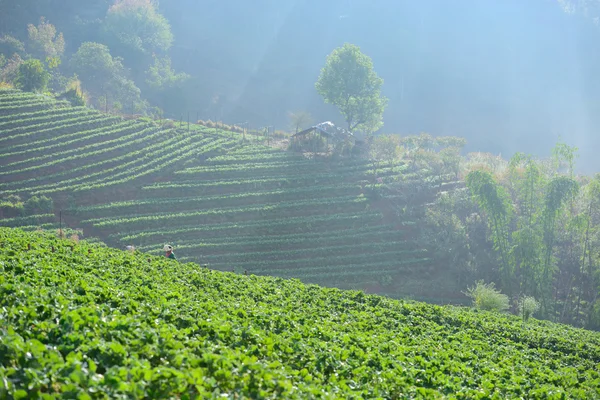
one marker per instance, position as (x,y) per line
(486,297)
(31,76)
(74,93)
(528,306)
(39,205)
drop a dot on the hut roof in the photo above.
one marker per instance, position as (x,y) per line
(326,129)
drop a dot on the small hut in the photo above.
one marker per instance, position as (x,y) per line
(326,129)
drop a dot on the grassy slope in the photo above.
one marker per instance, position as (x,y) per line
(99,323)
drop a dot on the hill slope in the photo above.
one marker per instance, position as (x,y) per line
(220,200)
(81,320)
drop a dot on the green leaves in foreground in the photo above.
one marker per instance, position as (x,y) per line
(87,322)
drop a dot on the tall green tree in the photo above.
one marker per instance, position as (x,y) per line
(558,192)
(164,87)
(31,76)
(103,75)
(526,184)
(349,82)
(44,40)
(495,202)
(138,26)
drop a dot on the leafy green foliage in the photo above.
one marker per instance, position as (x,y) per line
(44,41)
(528,306)
(89,322)
(74,93)
(104,76)
(32,76)
(486,297)
(494,201)
(166,87)
(349,82)
(38,205)
(138,26)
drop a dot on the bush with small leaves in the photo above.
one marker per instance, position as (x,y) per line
(486,297)
(39,205)
(528,306)
(32,77)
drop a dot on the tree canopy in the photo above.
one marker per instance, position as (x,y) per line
(104,75)
(44,40)
(349,82)
(32,76)
(138,26)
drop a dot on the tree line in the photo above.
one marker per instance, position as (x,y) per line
(530,225)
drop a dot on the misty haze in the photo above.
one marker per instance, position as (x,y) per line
(299,199)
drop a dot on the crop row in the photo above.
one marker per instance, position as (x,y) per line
(65,157)
(325,263)
(29,220)
(102,167)
(46,126)
(250,183)
(71,129)
(283,168)
(6,96)
(145,164)
(123,128)
(49,116)
(237,158)
(253,149)
(275,226)
(42,113)
(185,152)
(9,92)
(122,169)
(374,269)
(266,211)
(324,251)
(307,239)
(30,106)
(211,201)
(15,101)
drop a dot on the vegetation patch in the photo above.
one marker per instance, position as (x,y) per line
(81,321)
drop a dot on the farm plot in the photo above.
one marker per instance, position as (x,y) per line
(81,321)
(267,212)
(220,200)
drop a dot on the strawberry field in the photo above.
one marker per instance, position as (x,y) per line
(87,322)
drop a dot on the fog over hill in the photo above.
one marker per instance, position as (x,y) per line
(509,76)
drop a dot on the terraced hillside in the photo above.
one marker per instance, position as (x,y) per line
(220,201)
